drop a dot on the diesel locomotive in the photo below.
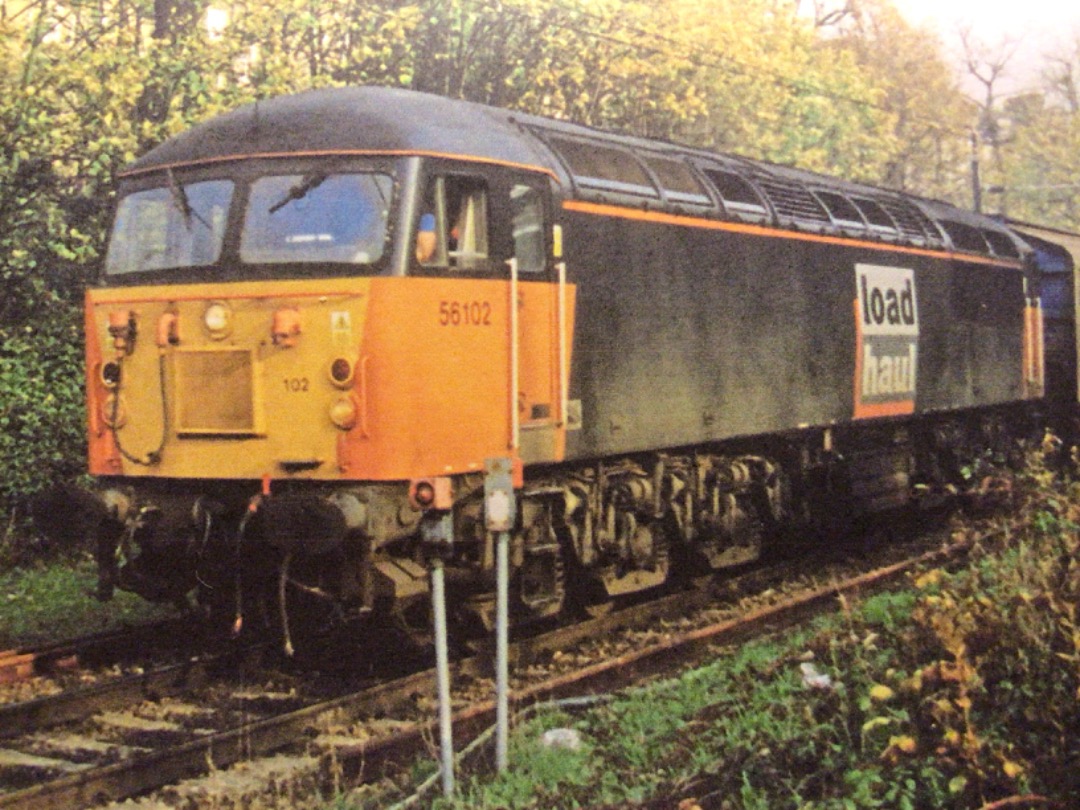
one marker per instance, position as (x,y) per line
(321,314)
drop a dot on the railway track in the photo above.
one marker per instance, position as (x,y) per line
(125,738)
(126,645)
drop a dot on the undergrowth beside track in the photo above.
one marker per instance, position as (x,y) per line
(56,602)
(962,691)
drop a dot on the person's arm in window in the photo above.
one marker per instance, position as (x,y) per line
(426,241)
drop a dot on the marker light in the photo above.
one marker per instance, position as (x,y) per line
(110,374)
(168,330)
(343,413)
(218,320)
(341,372)
(123,329)
(424,494)
(431,493)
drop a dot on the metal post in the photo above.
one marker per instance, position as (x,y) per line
(502,666)
(442,675)
(500,510)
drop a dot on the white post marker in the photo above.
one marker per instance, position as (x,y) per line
(438,537)
(442,675)
(499,515)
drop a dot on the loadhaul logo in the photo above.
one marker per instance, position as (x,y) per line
(886,341)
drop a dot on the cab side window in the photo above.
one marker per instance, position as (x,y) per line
(453,227)
(527,224)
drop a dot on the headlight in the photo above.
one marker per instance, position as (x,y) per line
(218,320)
(110,374)
(341,372)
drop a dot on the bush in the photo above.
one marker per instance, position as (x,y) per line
(42,434)
(962,692)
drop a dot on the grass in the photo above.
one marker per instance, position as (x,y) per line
(54,602)
(960,691)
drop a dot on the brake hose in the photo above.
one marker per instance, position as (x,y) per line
(153,457)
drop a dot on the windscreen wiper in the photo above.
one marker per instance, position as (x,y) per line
(183,205)
(307,183)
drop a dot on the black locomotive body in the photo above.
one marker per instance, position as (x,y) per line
(689,335)
(1055,255)
(682,352)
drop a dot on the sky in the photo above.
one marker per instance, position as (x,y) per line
(1040,26)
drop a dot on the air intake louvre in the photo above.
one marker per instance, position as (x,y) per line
(910,220)
(793,202)
(216,393)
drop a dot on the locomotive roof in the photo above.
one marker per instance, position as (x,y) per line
(398,121)
(352,119)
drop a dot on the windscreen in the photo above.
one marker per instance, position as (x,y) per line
(316,218)
(171,226)
(299,219)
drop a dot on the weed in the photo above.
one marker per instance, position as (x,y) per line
(959,691)
(47,604)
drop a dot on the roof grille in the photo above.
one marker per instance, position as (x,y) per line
(912,222)
(793,202)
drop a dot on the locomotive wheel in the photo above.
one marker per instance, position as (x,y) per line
(586,596)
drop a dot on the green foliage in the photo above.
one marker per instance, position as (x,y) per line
(83,92)
(1040,163)
(540,774)
(85,88)
(1001,694)
(37,606)
(959,692)
(41,433)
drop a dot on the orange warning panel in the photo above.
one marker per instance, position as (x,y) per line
(435,376)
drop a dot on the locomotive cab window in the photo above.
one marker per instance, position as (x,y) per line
(527,227)
(173,226)
(452,231)
(316,217)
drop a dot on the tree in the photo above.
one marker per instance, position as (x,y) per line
(1040,159)
(838,86)
(988,66)
(83,89)
(928,116)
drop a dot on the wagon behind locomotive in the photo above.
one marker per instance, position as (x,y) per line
(1055,259)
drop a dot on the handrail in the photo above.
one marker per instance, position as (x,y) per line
(515,350)
(564,383)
